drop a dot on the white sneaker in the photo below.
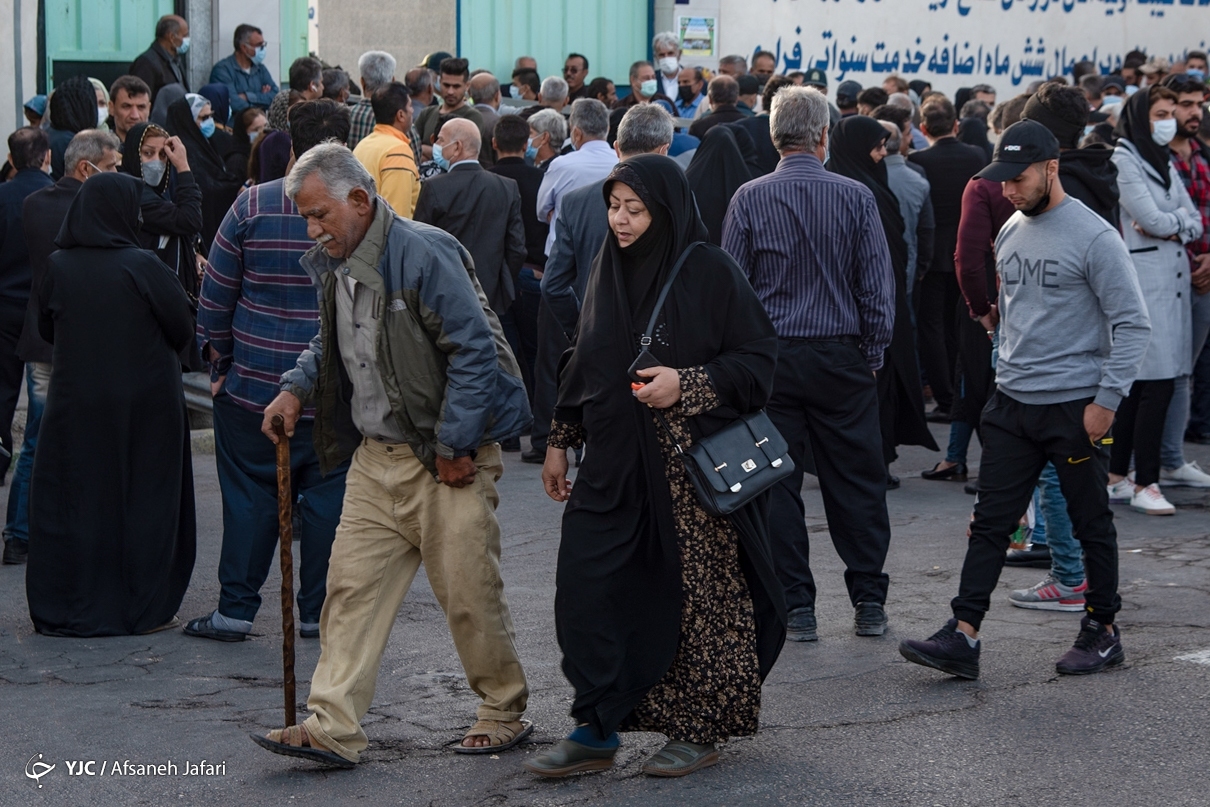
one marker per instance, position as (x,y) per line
(1189,475)
(1151,502)
(1121,492)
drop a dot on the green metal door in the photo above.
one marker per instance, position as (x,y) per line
(610,33)
(99,38)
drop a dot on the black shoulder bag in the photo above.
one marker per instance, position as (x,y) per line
(735,464)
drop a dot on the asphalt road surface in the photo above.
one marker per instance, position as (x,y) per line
(845,721)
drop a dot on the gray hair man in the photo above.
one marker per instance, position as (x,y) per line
(910,187)
(666,48)
(824,275)
(248,80)
(592,160)
(430,386)
(90,152)
(548,130)
(377,70)
(580,230)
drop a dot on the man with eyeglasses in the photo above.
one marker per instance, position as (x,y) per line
(575,73)
(28,233)
(1189,411)
(248,81)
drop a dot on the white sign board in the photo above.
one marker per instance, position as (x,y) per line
(959,43)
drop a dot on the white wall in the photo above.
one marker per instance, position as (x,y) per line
(1009,43)
(12,95)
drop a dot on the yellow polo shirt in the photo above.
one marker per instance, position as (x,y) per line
(387,154)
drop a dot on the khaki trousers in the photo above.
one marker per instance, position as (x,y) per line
(396,516)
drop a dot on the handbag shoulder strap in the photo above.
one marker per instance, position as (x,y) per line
(659,302)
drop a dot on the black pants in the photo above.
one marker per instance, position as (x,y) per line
(1018,440)
(824,396)
(552,343)
(937,333)
(12,374)
(1139,428)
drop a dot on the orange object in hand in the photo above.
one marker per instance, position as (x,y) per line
(636,386)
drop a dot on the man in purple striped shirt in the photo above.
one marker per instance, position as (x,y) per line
(257,311)
(812,245)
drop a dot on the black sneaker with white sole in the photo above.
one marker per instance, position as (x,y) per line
(947,650)
(1096,649)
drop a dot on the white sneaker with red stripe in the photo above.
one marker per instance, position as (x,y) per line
(1050,595)
(1151,502)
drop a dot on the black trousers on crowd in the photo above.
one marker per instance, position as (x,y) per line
(937,333)
(12,374)
(1018,440)
(552,343)
(825,398)
(1139,429)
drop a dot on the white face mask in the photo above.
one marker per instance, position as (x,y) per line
(102,114)
(668,66)
(1162,131)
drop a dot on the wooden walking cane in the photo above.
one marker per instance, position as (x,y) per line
(285,520)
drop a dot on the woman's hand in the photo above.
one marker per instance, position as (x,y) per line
(554,474)
(663,390)
(177,156)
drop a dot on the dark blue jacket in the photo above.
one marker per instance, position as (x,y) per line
(15,271)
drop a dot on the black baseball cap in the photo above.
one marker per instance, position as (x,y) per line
(1024,143)
(815,78)
(847,91)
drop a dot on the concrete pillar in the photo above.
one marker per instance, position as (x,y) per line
(18,60)
(409,30)
(202,43)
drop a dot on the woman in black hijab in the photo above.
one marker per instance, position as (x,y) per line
(668,618)
(857,148)
(112,533)
(219,187)
(715,173)
(73,108)
(171,207)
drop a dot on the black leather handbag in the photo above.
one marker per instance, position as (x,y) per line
(738,462)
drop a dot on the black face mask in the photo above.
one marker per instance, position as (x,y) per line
(686,94)
(1042,204)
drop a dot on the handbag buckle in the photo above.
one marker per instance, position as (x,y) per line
(748,465)
(762,442)
(645,341)
(718,468)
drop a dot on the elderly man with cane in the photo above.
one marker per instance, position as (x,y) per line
(411,376)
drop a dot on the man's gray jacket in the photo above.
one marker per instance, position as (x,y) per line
(580,231)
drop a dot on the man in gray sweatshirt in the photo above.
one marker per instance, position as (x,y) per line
(1073,331)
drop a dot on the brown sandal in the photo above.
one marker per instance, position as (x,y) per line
(294,741)
(501,734)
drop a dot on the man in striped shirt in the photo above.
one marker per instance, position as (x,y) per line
(812,245)
(257,311)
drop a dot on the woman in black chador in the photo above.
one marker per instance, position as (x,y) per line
(112,533)
(858,146)
(668,618)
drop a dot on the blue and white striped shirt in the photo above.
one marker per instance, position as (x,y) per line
(812,245)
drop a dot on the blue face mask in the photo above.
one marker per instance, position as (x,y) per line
(438,158)
(207,127)
(531,151)
(1197,74)
(183,48)
(259,56)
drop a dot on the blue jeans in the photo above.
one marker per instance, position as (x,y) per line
(37,382)
(247,477)
(1172,454)
(960,434)
(1199,404)
(1052,528)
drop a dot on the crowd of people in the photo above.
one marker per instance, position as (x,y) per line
(416,274)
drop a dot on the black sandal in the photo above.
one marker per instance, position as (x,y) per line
(293,747)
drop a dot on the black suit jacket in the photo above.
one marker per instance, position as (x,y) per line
(158,69)
(948,165)
(483,211)
(727,113)
(42,216)
(529,180)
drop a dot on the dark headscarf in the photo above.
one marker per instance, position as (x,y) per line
(1068,133)
(747,149)
(272,155)
(973,131)
(202,156)
(168,95)
(104,214)
(73,106)
(1135,125)
(961,97)
(642,268)
(132,162)
(220,104)
(852,141)
(715,173)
